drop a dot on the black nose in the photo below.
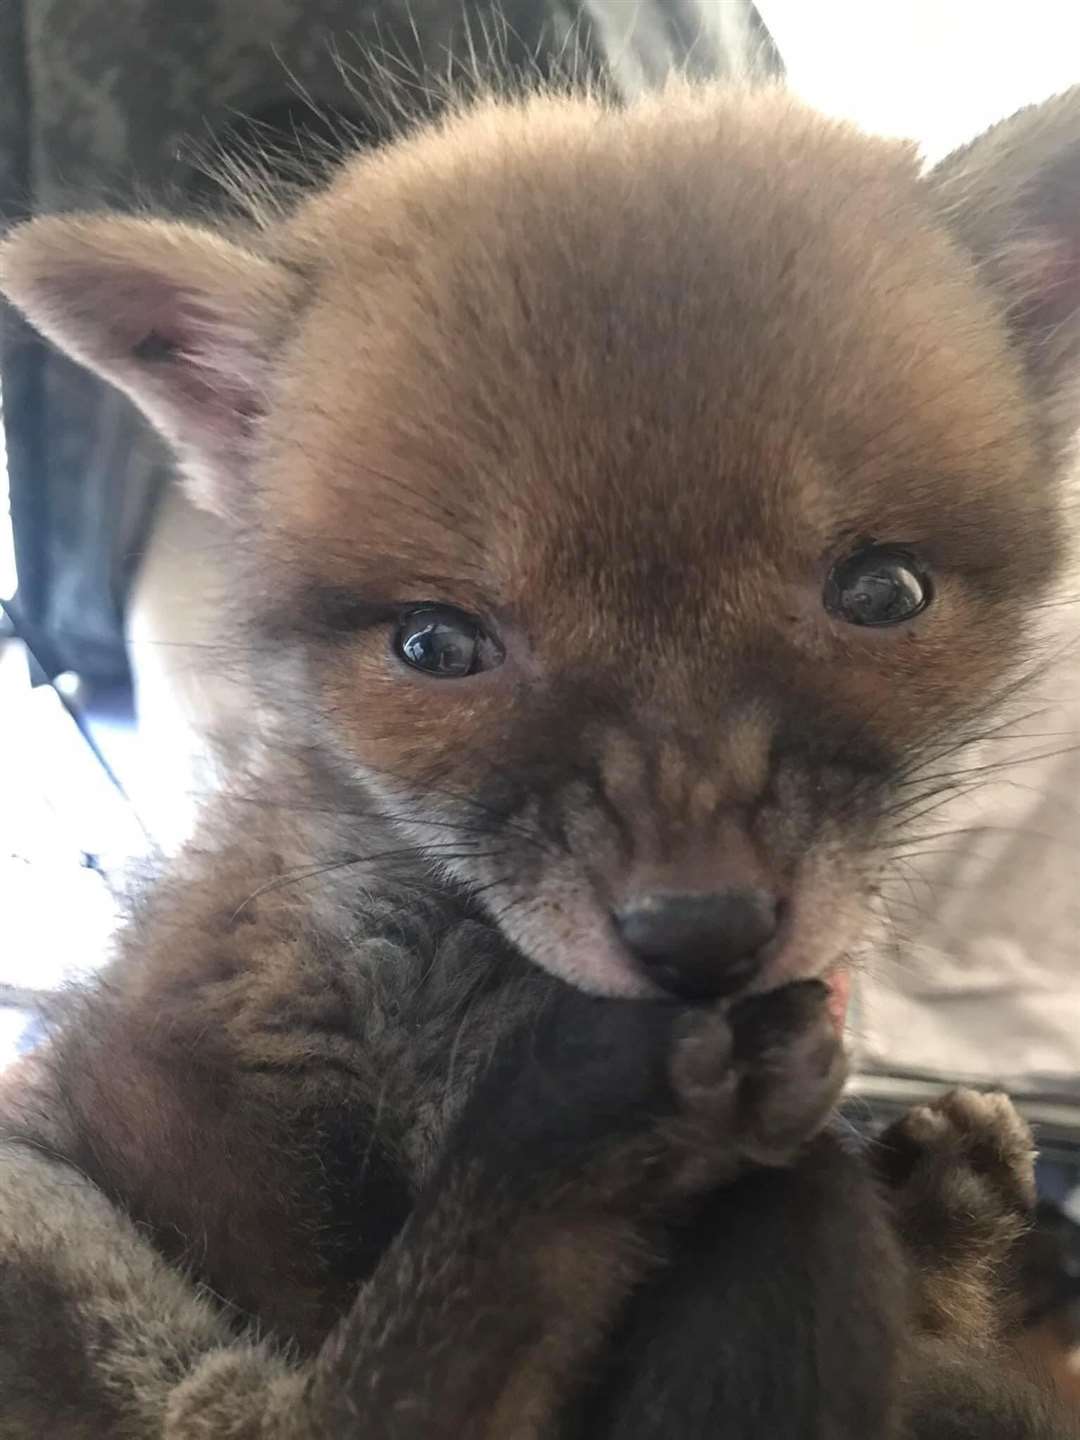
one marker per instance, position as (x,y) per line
(699,946)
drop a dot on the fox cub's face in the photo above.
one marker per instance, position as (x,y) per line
(646,501)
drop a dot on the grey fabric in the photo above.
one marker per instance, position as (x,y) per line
(111,102)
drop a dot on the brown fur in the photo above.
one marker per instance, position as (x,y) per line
(625,384)
(755,343)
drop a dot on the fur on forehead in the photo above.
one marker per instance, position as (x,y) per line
(572,217)
(620,313)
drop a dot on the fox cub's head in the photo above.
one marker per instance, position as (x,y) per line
(643,500)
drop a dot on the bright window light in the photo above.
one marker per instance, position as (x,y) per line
(7,539)
(937,71)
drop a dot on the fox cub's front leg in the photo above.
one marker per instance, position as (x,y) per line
(961,1174)
(596,1122)
(962,1181)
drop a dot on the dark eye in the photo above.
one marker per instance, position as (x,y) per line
(878,585)
(445,642)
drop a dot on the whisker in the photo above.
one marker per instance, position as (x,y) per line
(430,854)
(986,829)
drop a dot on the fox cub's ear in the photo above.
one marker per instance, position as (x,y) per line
(1013,198)
(178,317)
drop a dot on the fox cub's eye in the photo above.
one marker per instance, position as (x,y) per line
(878,585)
(445,642)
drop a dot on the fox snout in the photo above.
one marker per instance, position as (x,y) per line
(699,946)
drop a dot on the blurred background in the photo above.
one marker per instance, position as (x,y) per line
(113,674)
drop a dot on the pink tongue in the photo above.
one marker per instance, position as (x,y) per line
(839,983)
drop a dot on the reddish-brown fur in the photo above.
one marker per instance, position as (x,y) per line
(626,384)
